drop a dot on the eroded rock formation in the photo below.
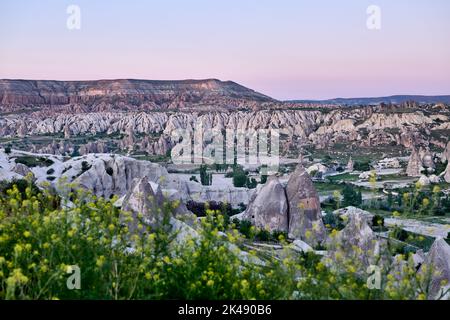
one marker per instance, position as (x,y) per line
(268,209)
(304,207)
(437,262)
(294,208)
(447,173)
(144,198)
(414,165)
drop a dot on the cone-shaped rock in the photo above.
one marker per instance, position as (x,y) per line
(350,164)
(143,199)
(414,164)
(438,263)
(304,207)
(22,169)
(446,154)
(357,234)
(269,209)
(447,173)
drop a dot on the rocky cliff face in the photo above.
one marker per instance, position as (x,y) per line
(320,129)
(106,175)
(305,217)
(268,208)
(294,208)
(138,108)
(127,94)
(438,260)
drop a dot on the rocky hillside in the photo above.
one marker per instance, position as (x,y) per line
(366,127)
(128,94)
(399,99)
(81,117)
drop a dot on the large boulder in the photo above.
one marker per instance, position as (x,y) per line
(434,179)
(145,202)
(23,170)
(424,181)
(357,232)
(305,215)
(318,167)
(114,175)
(301,246)
(437,262)
(346,212)
(269,208)
(357,242)
(428,162)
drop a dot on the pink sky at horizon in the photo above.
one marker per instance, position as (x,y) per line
(285,49)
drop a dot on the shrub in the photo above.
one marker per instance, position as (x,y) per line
(351,196)
(205,177)
(333,221)
(263,178)
(239,177)
(263,235)
(244,227)
(85,166)
(378,221)
(251,183)
(399,234)
(278,235)
(200,208)
(39,241)
(361,165)
(23,187)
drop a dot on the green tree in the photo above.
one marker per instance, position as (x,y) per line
(239,177)
(351,197)
(263,178)
(8,149)
(205,176)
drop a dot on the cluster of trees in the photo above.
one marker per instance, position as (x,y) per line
(250,232)
(351,197)
(429,202)
(362,166)
(241,178)
(200,208)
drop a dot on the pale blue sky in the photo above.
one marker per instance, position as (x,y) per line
(287,49)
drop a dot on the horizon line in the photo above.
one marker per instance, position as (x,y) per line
(232,81)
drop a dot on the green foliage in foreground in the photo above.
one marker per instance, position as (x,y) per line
(39,240)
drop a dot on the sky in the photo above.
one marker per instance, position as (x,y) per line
(287,49)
